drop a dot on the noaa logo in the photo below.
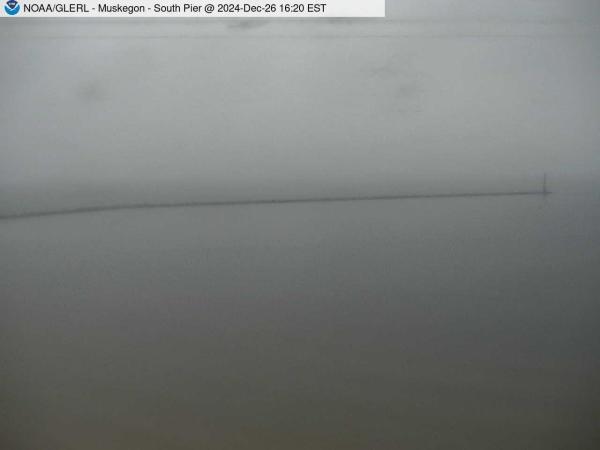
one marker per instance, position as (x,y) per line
(12,7)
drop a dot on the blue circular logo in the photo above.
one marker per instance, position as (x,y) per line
(12,7)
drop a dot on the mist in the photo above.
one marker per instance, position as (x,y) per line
(178,269)
(440,98)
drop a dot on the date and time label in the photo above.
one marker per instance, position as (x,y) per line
(189,8)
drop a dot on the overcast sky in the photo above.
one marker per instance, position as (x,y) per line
(440,95)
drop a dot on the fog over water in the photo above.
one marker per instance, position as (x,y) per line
(456,323)
(435,99)
(464,323)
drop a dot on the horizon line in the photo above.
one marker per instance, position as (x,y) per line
(192,204)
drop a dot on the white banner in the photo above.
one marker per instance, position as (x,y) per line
(190,8)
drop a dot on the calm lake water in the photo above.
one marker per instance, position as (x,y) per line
(416,324)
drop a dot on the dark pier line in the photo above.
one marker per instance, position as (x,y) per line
(92,209)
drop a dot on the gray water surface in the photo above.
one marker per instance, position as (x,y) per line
(416,324)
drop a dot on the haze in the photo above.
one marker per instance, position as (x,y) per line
(447,96)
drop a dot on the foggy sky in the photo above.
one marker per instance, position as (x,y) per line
(448,95)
